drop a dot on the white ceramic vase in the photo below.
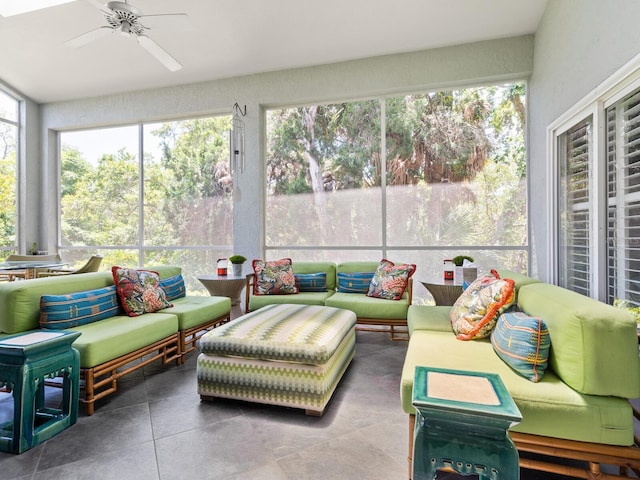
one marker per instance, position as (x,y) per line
(236,269)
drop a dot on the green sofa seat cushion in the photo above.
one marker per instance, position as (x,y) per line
(193,311)
(549,407)
(370,307)
(116,336)
(429,317)
(594,346)
(302,298)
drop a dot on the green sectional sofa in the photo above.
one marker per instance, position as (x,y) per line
(115,346)
(579,409)
(369,311)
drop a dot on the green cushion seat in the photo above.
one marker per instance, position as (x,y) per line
(303,298)
(112,337)
(193,310)
(370,307)
(544,405)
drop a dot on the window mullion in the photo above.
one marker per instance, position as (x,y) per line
(141,243)
(383,172)
(598,170)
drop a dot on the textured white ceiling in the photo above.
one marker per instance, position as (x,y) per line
(233,37)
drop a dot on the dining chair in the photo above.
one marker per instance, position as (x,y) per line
(92,265)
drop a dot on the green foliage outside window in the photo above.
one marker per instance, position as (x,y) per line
(454,174)
(186,203)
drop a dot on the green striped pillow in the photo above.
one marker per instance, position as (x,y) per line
(523,343)
(74,309)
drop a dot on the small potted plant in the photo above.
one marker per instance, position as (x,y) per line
(236,262)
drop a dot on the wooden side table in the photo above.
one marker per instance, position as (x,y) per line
(443,293)
(461,425)
(26,361)
(224,286)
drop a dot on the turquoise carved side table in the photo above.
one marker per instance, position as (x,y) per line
(27,360)
(461,425)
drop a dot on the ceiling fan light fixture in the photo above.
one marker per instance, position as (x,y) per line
(125,29)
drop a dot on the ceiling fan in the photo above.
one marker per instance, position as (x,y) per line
(125,18)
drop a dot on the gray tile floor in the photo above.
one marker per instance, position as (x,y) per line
(155,427)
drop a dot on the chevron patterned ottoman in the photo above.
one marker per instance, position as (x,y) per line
(289,355)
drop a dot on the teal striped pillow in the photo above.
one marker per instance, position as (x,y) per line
(523,343)
(74,309)
(173,287)
(357,282)
(311,282)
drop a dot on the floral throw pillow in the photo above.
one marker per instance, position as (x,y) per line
(274,277)
(476,311)
(139,291)
(390,280)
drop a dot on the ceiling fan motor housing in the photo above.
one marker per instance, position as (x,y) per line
(124,17)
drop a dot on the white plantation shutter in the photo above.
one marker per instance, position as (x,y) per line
(623,199)
(574,249)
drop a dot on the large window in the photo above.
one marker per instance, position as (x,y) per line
(148,194)
(596,164)
(414,178)
(9,126)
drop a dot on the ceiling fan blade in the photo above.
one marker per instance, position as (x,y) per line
(88,37)
(159,53)
(98,4)
(177,21)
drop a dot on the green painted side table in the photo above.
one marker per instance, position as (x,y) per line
(27,360)
(461,425)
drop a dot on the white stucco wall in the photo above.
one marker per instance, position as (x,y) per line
(473,64)
(578,44)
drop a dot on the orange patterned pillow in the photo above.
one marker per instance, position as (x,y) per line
(476,311)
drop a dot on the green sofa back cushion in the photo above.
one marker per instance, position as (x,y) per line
(352,267)
(20,300)
(328,268)
(594,346)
